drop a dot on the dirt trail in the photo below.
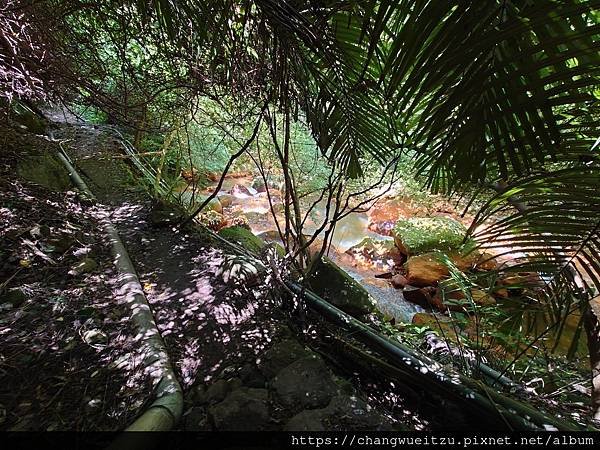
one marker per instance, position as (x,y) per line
(206,324)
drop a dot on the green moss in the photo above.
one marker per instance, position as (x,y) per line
(46,170)
(243,237)
(340,289)
(423,234)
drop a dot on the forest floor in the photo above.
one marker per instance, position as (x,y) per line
(68,358)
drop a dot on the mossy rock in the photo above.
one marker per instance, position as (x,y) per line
(423,234)
(198,199)
(243,237)
(29,119)
(46,170)
(332,283)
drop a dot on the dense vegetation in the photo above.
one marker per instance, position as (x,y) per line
(336,105)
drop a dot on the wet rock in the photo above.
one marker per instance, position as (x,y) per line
(281,355)
(87,265)
(190,175)
(336,286)
(305,384)
(516,283)
(241,191)
(418,235)
(343,413)
(240,221)
(212,220)
(399,281)
(197,420)
(245,409)
(15,297)
(425,270)
(442,325)
(375,251)
(226,200)
(191,200)
(198,394)
(259,184)
(418,296)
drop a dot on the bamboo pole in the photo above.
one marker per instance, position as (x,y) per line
(165,411)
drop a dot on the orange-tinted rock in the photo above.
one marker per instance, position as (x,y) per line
(456,300)
(189,175)
(419,296)
(399,281)
(425,270)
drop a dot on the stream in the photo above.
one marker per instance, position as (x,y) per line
(349,231)
(239,198)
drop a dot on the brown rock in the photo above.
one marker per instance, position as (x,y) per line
(455,300)
(399,281)
(425,270)
(419,296)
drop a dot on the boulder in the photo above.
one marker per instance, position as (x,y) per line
(212,220)
(240,221)
(398,281)
(486,261)
(243,237)
(191,201)
(344,412)
(442,325)
(419,235)
(226,200)
(251,376)
(425,270)
(333,284)
(281,355)
(448,297)
(375,250)
(190,175)
(244,409)
(46,170)
(216,392)
(418,296)
(516,283)
(241,191)
(305,384)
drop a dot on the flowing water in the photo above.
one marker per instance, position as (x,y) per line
(349,232)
